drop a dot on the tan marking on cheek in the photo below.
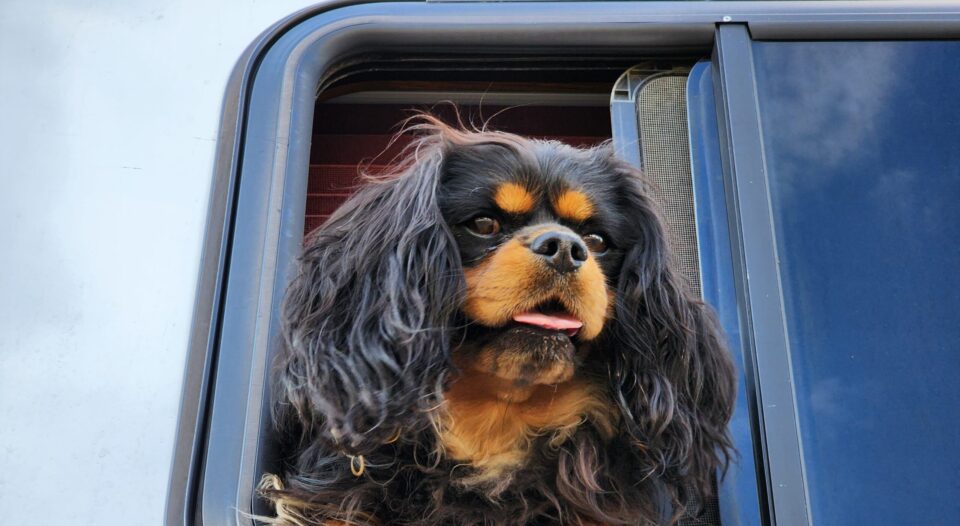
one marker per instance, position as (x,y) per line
(591,301)
(611,303)
(503,284)
(514,199)
(573,205)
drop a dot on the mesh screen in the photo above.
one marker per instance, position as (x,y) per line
(699,512)
(665,149)
(662,118)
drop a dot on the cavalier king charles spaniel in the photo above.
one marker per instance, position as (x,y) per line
(495,335)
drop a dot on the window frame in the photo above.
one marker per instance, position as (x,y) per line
(756,275)
(255,222)
(742,484)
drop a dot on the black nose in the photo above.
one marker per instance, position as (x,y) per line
(564,251)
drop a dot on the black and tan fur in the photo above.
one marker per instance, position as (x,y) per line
(401,356)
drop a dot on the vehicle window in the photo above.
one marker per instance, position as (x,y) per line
(863,159)
(352,135)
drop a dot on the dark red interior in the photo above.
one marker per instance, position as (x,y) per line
(348,136)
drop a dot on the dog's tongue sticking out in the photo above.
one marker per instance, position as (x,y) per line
(554,322)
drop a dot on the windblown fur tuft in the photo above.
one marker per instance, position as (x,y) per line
(367,319)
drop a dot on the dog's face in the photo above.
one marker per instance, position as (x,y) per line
(541,240)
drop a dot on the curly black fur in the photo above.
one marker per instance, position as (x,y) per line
(373,317)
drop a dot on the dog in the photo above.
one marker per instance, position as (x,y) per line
(494,334)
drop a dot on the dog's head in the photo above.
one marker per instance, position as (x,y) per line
(484,249)
(541,232)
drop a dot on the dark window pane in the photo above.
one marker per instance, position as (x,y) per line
(862,145)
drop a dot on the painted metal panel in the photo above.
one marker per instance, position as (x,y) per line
(109,114)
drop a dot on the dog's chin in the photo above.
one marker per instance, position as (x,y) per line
(523,355)
(537,343)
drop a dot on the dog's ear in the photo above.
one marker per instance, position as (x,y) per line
(367,320)
(671,373)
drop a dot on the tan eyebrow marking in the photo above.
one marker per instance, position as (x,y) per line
(514,199)
(573,205)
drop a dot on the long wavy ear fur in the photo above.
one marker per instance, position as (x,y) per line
(367,319)
(671,374)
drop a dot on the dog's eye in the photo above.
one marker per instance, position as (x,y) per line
(595,243)
(484,226)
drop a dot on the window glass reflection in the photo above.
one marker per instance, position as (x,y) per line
(862,146)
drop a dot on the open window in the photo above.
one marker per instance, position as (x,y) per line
(356,121)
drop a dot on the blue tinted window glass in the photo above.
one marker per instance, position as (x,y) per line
(862,147)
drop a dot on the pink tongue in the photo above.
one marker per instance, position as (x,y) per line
(548,321)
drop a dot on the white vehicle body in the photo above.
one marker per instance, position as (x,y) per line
(109,114)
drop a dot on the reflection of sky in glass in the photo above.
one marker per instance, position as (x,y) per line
(862,143)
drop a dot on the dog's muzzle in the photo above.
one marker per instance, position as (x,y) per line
(544,277)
